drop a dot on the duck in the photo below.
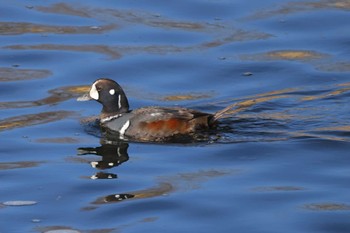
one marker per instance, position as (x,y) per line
(152,123)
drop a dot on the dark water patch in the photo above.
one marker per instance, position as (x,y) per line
(278,189)
(20,164)
(341,66)
(328,207)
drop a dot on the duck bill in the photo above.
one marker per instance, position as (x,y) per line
(85,97)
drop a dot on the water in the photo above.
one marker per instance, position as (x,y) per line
(280,164)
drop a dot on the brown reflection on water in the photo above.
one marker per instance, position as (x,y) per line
(16,74)
(56,96)
(61,140)
(327,207)
(20,164)
(62,8)
(33,119)
(111,52)
(295,7)
(15,28)
(235,35)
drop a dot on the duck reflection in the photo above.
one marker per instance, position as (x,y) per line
(113,155)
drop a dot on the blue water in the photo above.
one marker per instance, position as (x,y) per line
(279,164)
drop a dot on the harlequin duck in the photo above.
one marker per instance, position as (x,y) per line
(149,123)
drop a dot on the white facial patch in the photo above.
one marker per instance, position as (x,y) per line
(94,93)
(112,91)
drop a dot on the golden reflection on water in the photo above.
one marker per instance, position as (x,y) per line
(56,96)
(337,92)
(185,97)
(293,55)
(320,61)
(296,113)
(33,119)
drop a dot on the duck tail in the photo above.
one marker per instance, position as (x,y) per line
(223,113)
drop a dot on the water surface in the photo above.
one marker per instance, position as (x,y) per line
(280,164)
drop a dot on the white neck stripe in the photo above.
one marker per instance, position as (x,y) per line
(110,118)
(119,101)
